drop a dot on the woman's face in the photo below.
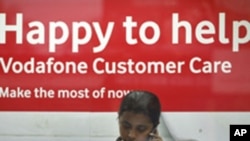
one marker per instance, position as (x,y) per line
(135,126)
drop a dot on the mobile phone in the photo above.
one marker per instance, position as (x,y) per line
(150,137)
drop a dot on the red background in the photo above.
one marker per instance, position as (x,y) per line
(177,92)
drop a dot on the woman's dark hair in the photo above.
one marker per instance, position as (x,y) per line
(142,102)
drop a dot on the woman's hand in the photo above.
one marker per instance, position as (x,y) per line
(155,137)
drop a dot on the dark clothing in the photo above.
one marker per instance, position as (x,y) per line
(119,139)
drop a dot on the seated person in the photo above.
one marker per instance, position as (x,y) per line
(139,116)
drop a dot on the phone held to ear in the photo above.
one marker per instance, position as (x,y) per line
(152,134)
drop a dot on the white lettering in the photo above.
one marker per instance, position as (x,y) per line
(175,29)
(53,40)
(104,39)
(240,132)
(101,66)
(197,65)
(76,41)
(236,35)
(36,36)
(201,31)
(14,93)
(50,66)
(129,24)
(156,35)
(222,32)
(18,28)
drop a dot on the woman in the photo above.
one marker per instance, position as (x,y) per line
(138,116)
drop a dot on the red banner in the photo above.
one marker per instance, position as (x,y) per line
(86,55)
